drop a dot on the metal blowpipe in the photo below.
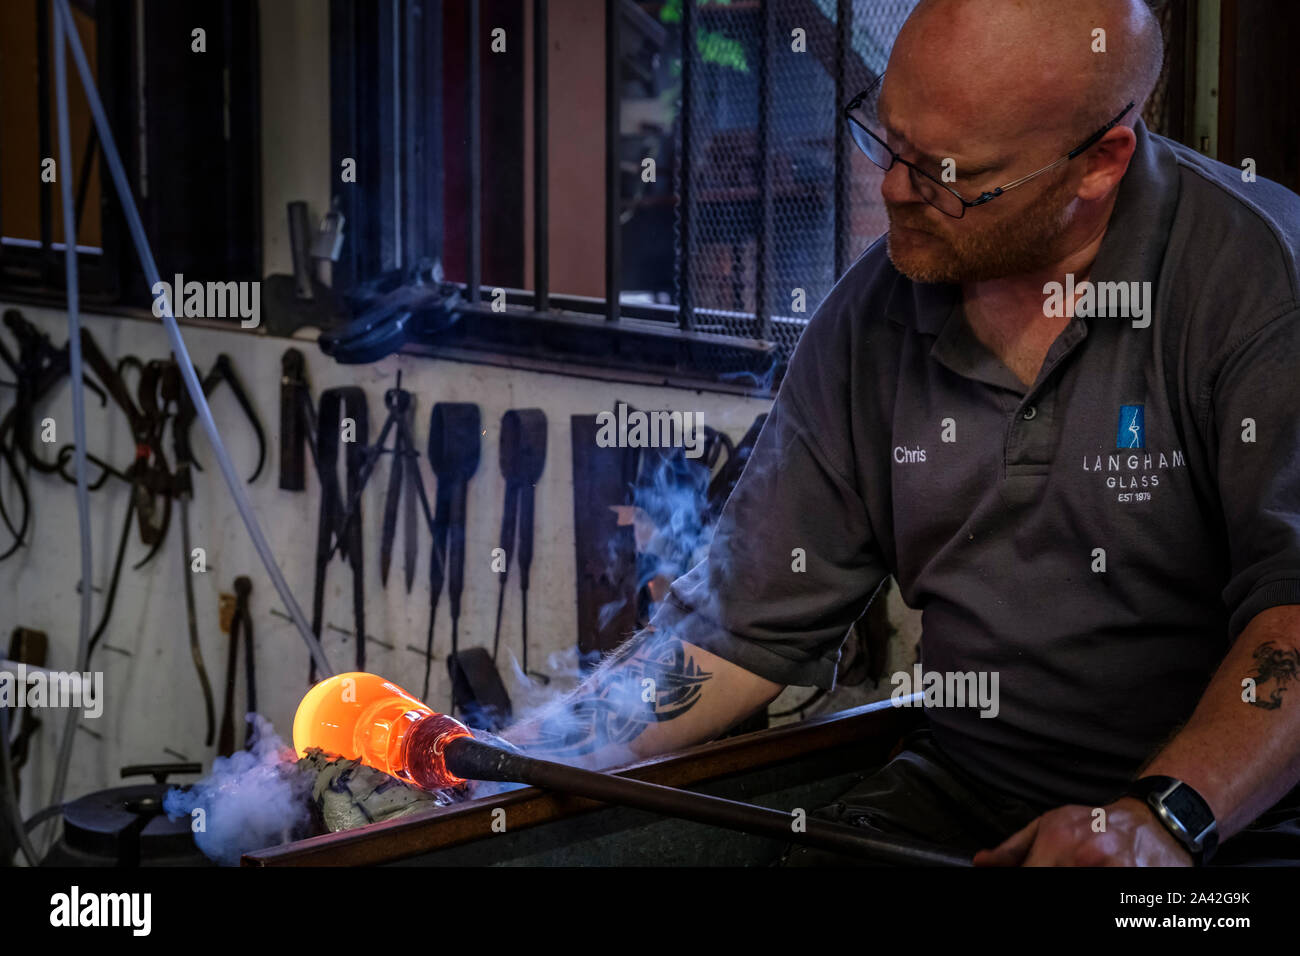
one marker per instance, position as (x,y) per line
(364,717)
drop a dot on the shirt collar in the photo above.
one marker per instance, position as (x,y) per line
(1133,249)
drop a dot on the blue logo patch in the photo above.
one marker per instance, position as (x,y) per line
(1132,431)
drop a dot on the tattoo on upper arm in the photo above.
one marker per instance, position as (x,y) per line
(1274,664)
(652,680)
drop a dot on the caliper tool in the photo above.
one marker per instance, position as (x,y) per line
(37,369)
(406,467)
(400,405)
(222,370)
(405,470)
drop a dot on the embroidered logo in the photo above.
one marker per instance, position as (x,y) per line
(1131,432)
(1135,475)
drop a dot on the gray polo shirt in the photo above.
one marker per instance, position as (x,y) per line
(1097,539)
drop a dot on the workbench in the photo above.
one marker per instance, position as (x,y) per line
(806,764)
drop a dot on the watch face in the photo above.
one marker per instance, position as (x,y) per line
(1187,810)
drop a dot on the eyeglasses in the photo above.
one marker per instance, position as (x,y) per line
(933,190)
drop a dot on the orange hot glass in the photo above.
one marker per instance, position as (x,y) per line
(364,717)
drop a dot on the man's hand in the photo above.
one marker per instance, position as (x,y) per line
(1065,837)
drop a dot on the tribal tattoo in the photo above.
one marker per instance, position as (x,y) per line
(650,679)
(1273,663)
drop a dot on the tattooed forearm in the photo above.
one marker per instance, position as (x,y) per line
(650,679)
(1275,669)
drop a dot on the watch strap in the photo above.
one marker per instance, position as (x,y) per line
(1199,834)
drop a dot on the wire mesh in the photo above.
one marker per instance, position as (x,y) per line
(731,176)
(720,230)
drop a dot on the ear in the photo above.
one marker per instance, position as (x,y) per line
(1107,161)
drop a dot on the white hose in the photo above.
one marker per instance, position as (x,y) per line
(65,27)
(78,399)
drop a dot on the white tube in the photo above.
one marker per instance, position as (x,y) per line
(141,242)
(78,397)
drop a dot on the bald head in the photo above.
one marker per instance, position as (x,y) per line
(997,92)
(1031,65)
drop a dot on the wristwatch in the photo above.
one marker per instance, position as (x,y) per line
(1182,811)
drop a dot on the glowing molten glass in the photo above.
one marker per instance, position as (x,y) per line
(364,717)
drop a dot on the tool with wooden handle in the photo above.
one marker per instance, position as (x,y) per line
(237,622)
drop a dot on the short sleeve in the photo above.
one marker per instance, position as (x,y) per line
(1256,413)
(793,561)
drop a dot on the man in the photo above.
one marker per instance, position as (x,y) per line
(1092,490)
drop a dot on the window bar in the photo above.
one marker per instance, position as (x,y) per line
(2,212)
(686,305)
(83,178)
(49,263)
(474,241)
(388,117)
(761,252)
(541,182)
(613,92)
(406,192)
(843,38)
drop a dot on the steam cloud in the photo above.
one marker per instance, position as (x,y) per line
(672,527)
(258,797)
(252,799)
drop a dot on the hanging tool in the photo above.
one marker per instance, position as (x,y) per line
(297,421)
(148,473)
(455,431)
(37,369)
(523,456)
(237,622)
(340,530)
(19,531)
(154,481)
(405,470)
(400,409)
(172,391)
(26,646)
(222,370)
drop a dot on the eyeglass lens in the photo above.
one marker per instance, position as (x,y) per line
(876,151)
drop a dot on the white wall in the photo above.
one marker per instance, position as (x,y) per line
(153,696)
